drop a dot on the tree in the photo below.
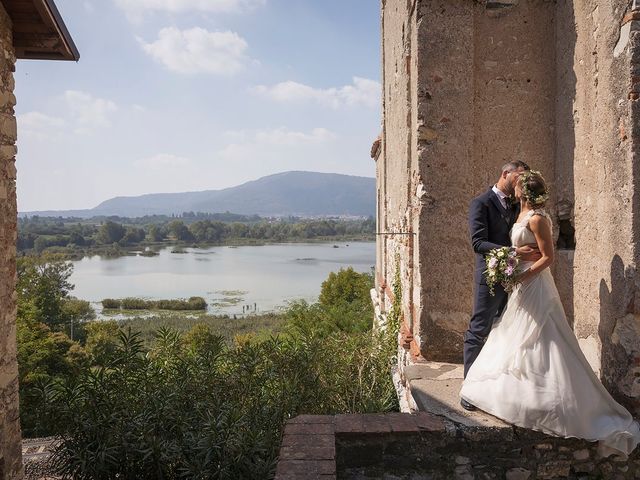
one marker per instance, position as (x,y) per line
(346,286)
(43,283)
(155,233)
(345,298)
(102,341)
(110,232)
(132,236)
(180,231)
(75,313)
(43,357)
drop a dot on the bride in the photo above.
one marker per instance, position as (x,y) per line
(531,371)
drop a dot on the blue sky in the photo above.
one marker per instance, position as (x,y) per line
(181,95)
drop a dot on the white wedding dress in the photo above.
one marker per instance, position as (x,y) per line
(532,373)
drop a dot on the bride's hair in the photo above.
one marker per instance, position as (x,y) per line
(534,188)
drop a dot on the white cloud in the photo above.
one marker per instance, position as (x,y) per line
(362,91)
(88,112)
(135,8)
(39,125)
(197,50)
(247,144)
(162,161)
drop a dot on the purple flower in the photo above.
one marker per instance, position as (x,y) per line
(509,270)
(493,263)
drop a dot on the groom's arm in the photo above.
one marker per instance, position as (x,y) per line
(479,228)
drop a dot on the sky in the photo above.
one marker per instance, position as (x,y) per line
(186,95)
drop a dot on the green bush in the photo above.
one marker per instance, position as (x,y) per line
(111,303)
(194,303)
(132,303)
(199,406)
(201,409)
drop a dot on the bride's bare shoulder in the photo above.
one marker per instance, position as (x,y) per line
(538,221)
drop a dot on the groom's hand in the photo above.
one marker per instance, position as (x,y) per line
(528,253)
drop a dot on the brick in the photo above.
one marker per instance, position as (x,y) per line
(349,423)
(297,467)
(403,422)
(312,419)
(296,452)
(375,423)
(431,423)
(309,440)
(305,476)
(308,429)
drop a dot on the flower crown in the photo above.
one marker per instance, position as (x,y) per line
(534,199)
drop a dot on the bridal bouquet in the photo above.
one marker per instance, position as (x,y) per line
(502,267)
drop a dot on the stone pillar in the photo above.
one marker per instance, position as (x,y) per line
(606,170)
(396,165)
(484,95)
(10,437)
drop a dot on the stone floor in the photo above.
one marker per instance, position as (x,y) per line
(434,388)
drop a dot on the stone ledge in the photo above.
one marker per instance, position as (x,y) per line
(444,442)
(309,442)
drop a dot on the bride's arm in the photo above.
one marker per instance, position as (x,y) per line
(541,228)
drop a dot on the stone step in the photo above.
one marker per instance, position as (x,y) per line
(435,388)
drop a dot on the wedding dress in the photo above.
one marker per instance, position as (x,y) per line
(532,373)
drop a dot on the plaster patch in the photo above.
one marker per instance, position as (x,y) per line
(623,41)
(590,346)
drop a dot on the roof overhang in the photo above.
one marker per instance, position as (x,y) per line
(39,33)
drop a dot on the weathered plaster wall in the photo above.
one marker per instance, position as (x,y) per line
(467,88)
(396,165)
(10,444)
(485,96)
(605,171)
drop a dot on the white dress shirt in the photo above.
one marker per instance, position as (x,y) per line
(501,196)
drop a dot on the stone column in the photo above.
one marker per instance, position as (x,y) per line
(486,82)
(10,437)
(607,182)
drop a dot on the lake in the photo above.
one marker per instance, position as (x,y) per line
(233,280)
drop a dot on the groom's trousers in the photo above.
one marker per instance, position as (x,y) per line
(486,308)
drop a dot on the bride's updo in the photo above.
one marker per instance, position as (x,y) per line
(534,188)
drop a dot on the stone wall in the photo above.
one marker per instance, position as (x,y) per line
(605,176)
(396,169)
(10,445)
(471,85)
(424,446)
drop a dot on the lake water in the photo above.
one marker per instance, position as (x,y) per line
(233,280)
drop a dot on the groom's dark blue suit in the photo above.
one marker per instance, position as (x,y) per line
(490,226)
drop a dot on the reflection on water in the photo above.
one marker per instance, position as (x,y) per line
(232,280)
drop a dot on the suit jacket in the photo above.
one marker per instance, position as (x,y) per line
(490,227)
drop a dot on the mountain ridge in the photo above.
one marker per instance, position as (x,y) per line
(295,193)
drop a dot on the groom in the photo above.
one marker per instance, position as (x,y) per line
(491,216)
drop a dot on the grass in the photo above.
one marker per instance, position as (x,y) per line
(135,303)
(253,325)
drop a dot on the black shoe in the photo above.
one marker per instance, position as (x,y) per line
(467,406)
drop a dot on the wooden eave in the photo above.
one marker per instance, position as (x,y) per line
(39,33)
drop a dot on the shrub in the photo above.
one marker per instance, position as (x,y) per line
(201,409)
(199,406)
(111,303)
(132,303)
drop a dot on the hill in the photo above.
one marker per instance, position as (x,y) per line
(305,194)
